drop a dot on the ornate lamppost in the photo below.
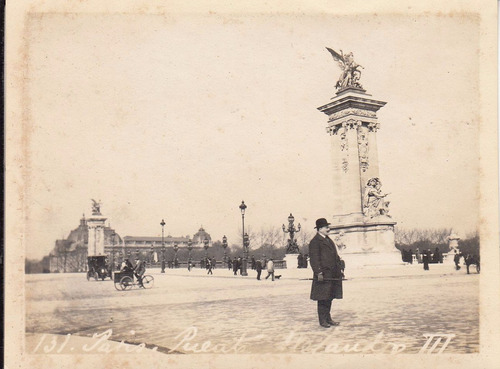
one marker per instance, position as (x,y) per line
(292,247)
(205,246)
(246,244)
(224,245)
(176,248)
(162,246)
(190,248)
(244,265)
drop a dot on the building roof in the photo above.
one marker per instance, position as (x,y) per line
(168,239)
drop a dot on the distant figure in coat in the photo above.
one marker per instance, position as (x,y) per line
(253,263)
(235,266)
(258,267)
(300,261)
(327,267)
(436,257)
(229,264)
(426,259)
(456,259)
(270,269)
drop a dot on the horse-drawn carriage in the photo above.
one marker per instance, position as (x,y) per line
(98,268)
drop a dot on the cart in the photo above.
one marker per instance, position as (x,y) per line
(98,268)
(125,280)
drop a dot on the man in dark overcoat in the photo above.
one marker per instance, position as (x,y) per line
(327,267)
(258,267)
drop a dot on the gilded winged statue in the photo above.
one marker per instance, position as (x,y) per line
(96,207)
(350,70)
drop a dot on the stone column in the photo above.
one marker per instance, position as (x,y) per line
(96,235)
(352,124)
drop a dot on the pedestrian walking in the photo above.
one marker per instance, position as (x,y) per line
(253,263)
(327,268)
(270,269)
(258,267)
(229,264)
(209,266)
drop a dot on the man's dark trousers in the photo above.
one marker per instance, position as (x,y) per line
(324,307)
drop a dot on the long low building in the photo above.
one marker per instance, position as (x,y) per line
(70,254)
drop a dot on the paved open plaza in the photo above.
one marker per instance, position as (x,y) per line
(384,309)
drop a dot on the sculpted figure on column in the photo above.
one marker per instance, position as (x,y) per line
(373,201)
(350,70)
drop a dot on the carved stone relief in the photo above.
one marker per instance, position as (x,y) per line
(344,148)
(352,111)
(363,148)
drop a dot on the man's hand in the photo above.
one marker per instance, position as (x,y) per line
(320,277)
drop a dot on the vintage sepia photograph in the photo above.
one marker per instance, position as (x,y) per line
(255,185)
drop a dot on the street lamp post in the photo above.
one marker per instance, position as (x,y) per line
(224,244)
(190,248)
(176,248)
(244,266)
(113,251)
(292,247)
(162,246)
(205,246)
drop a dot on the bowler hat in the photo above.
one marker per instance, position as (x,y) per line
(321,222)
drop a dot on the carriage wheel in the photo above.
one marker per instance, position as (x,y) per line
(148,281)
(96,276)
(126,283)
(118,286)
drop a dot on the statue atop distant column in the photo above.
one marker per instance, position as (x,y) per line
(96,207)
(350,70)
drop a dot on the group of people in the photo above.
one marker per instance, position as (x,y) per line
(255,264)
(425,257)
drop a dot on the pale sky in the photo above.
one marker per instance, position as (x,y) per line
(182,118)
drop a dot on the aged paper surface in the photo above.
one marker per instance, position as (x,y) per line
(179,111)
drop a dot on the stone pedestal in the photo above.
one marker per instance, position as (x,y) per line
(96,235)
(291,261)
(364,228)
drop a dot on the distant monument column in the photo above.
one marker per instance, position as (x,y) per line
(361,222)
(96,231)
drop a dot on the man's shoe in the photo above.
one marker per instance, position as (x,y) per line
(331,322)
(324,325)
